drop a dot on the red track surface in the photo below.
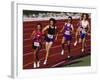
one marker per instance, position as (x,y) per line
(55,58)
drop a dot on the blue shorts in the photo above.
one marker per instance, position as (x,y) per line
(47,39)
(82,35)
(68,37)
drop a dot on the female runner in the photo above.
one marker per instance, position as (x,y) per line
(36,37)
(84,29)
(68,30)
(50,36)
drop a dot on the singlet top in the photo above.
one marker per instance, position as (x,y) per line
(67,29)
(83,26)
(37,36)
(51,30)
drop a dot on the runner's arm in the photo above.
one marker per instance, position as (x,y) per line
(44,29)
(63,27)
(56,33)
(32,34)
(72,31)
(88,29)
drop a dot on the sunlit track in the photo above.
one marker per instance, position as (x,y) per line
(52,64)
(73,54)
(55,58)
(67,61)
(53,55)
(58,63)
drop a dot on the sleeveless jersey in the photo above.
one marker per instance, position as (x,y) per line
(37,37)
(67,29)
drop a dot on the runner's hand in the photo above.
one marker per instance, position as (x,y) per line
(88,34)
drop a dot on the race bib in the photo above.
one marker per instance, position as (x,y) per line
(67,32)
(50,36)
(36,44)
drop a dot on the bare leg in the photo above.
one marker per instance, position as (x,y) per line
(34,57)
(80,40)
(48,46)
(68,46)
(47,43)
(37,52)
(63,42)
(76,37)
(37,57)
(83,44)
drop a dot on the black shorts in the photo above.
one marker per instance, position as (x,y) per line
(48,39)
(35,47)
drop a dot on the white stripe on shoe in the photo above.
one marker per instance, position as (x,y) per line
(45,62)
(62,52)
(38,64)
(34,64)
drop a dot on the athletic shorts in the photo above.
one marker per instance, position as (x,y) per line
(82,35)
(36,45)
(49,38)
(68,37)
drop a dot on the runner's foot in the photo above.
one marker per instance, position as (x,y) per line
(75,43)
(62,52)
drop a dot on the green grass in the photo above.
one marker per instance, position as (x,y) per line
(85,61)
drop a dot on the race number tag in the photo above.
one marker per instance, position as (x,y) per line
(36,44)
(50,36)
(67,32)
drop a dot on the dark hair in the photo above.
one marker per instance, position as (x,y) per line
(70,18)
(87,16)
(40,25)
(52,19)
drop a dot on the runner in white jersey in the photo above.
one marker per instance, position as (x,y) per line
(84,29)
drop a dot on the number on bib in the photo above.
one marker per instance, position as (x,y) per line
(36,44)
(50,36)
(67,32)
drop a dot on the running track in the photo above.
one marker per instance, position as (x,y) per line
(55,58)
